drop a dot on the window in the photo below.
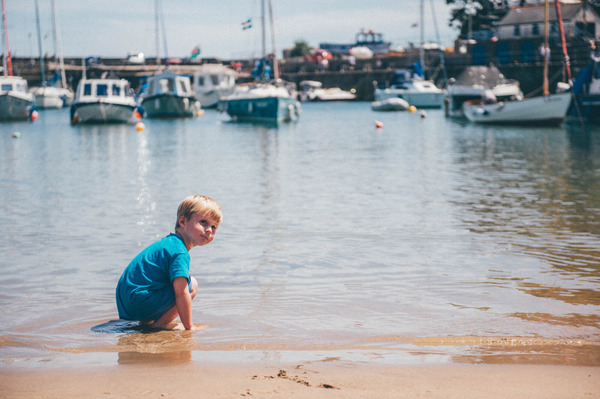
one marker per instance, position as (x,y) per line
(517,31)
(116,90)
(6,87)
(87,89)
(535,30)
(102,90)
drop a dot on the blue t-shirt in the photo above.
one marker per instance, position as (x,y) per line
(145,290)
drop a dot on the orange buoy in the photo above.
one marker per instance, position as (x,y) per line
(412,108)
(140,126)
(34,116)
(378,124)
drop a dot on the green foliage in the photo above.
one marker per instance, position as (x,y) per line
(301,48)
(476,15)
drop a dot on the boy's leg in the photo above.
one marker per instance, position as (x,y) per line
(165,321)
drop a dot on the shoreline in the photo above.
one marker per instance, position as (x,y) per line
(327,378)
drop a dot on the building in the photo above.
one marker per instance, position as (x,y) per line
(522,23)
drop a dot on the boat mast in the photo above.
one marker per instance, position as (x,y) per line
(422,49)
(7,62)
(57,42)
(275,63)
(156,35)
(39,32)
(563,41)
(546,49)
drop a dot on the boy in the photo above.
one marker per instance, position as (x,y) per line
(156,287)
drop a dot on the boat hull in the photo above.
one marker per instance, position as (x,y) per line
(547,110)
(14,106)
(168,105)
(419,100)
(103,112)
(586,108)
(262,109)
(391,104)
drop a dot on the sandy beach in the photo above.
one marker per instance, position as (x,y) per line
(324,379)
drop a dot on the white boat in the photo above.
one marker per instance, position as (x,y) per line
(103,101)
(52,97)
(418,92)
(265,101)
(211,82)
(542,110)
(549,109)
(169,95)
(473,82)
(312,90)
(47,96)
(16,103)
(390,104)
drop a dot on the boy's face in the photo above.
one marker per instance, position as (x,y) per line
(198,230)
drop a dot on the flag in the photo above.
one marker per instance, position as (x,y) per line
(247,24)
(195,52)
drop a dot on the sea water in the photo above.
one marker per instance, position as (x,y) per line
(428,239)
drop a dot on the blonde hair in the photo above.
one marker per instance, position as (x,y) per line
(198,204)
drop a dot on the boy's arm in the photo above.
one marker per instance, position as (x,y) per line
(183,301)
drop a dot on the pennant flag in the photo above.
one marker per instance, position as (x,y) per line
(195,52)
(247,24)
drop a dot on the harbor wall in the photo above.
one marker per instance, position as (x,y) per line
(360,75)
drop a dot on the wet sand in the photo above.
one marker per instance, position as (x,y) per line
(323,379)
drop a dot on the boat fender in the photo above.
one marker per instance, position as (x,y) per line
(423,114)
(34,115)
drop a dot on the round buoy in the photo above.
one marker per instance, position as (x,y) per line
(412,108)
(200,112)
(423,114)
(140,126)
(138,115)
(34,116)
(16,135)
(378,124)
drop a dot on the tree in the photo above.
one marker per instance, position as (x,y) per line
(301,48)
(475,15)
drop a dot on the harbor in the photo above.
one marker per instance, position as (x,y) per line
(397,222)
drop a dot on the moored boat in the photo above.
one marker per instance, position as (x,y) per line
(103,101)
(417,91)
(586,90)
(211,82)
(311,90)
(15,102)
(390,104)
(265,101)
(261,103)
(542,110)
(473,82)
(169,95)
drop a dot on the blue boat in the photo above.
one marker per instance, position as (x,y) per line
(266,101)
(261,102)
(586,89)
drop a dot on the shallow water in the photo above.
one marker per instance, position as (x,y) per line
(427,240)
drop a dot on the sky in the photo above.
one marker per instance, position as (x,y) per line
(115,28)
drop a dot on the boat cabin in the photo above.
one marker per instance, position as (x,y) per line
(104,88)
(169,83)
(13,83)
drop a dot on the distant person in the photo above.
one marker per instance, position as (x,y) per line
(156,287)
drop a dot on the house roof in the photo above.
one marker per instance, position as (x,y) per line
(533,14)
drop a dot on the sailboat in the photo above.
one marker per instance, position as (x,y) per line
(16,103)
(413,87)
(263,101)
(549,109)
(50,96)
(168,95)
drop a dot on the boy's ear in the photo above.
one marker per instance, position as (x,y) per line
(181,221)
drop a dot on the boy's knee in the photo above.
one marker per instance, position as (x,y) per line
(193,286)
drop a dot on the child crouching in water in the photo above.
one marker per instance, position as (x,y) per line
(157,287)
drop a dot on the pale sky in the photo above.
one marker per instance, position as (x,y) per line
(114,28)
